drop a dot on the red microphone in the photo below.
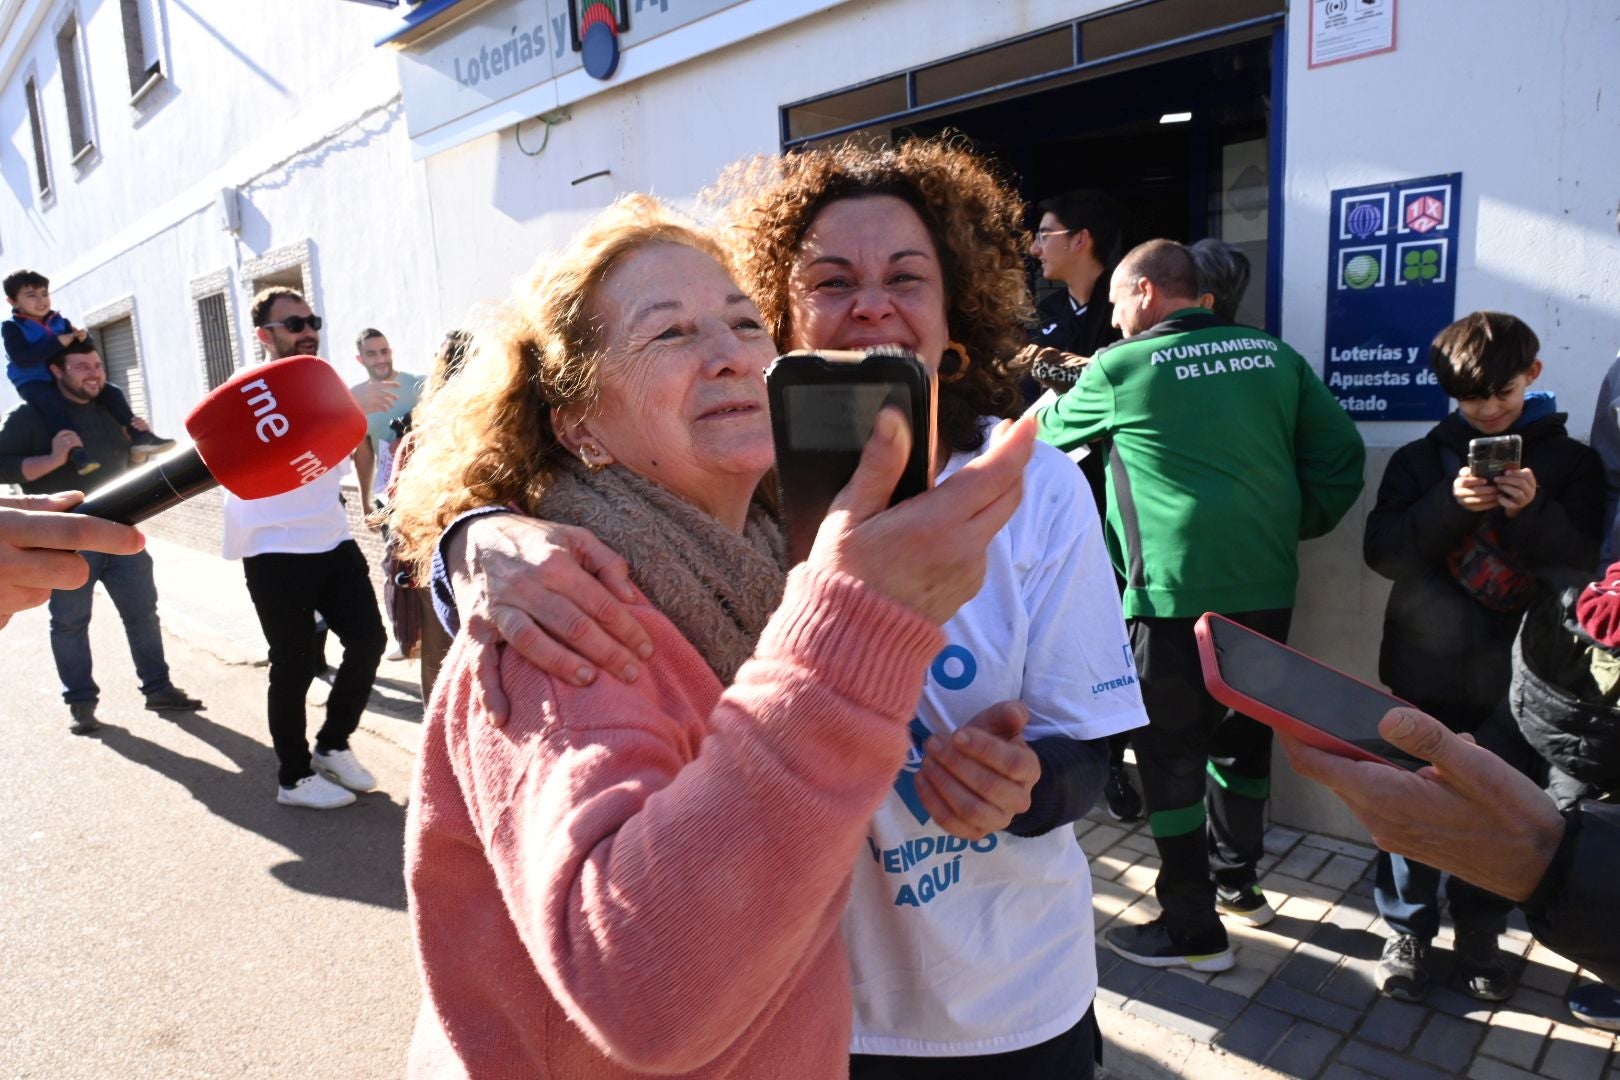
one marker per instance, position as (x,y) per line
(265,431)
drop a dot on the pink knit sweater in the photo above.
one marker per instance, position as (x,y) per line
(647,879)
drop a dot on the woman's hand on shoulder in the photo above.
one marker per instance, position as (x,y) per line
(555,593)
(929,551)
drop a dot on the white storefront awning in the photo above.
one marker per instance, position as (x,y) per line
(470,68)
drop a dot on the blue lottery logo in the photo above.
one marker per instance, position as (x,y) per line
(1364,220)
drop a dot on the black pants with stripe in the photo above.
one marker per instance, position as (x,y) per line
(1206,770)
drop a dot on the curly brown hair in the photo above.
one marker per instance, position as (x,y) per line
(973,216)
(485,438)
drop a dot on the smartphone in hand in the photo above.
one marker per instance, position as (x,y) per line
(1490,457)
(823,407)
(1294,694)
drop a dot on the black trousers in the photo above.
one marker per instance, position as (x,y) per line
(287,590)
(1206,770)
(1072,1055)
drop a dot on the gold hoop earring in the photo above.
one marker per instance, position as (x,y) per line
(588,455)
(960,368)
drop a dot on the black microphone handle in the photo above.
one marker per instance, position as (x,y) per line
(150,489)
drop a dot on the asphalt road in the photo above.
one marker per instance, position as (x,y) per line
(160,914)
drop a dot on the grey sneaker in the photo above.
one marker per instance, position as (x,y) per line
(1244,903)
(1482,967)
(84,717)
(1403,969)
(150,443)
(1154,944)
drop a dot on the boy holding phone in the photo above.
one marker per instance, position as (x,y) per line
(1462,551)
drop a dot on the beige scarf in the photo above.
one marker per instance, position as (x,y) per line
(718,588)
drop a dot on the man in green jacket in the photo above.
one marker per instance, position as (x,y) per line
(1227,450)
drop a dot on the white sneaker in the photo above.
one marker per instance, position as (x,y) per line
(340,765)
(315,793)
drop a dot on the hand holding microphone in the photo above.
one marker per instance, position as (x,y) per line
(267,430)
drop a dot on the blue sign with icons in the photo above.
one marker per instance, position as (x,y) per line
(1392,285)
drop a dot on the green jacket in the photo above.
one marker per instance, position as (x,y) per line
(1227,451)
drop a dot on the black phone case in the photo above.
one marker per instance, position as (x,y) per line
(811,478)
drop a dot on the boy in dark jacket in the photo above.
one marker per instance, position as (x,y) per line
(1462,551)
(33,336)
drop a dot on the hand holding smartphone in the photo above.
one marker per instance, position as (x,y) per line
(823,405)
(1296,695)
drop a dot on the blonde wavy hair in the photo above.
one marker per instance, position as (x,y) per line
(974,218)
(485,438)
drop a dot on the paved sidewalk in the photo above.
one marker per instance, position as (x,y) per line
(1299,1003)
(203,598)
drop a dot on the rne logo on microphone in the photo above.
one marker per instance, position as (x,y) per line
(309,467)
(264,407)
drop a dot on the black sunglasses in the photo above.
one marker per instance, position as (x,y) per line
(294,324)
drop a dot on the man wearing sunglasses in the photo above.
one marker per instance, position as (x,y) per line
(300,558)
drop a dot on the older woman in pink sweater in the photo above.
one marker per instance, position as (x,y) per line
(647,878)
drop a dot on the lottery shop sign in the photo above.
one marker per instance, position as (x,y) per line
(1392,285)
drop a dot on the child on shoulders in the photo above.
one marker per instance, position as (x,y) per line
(33,336)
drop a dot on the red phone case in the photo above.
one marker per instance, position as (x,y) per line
(1277,721)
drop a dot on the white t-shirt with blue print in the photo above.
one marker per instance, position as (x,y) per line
(961,948)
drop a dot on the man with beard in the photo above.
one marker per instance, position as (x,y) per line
(374,456)
(299,558)
(38,459)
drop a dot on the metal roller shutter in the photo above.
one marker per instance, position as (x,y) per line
(117,341)
(218,361)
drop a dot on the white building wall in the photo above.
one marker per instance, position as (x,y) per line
(1524,101)
(288,105)
(497,210)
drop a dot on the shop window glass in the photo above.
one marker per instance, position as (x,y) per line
(1052,51)
(1150,24)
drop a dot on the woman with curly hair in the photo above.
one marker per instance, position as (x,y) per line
(969,924)
(630,880)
